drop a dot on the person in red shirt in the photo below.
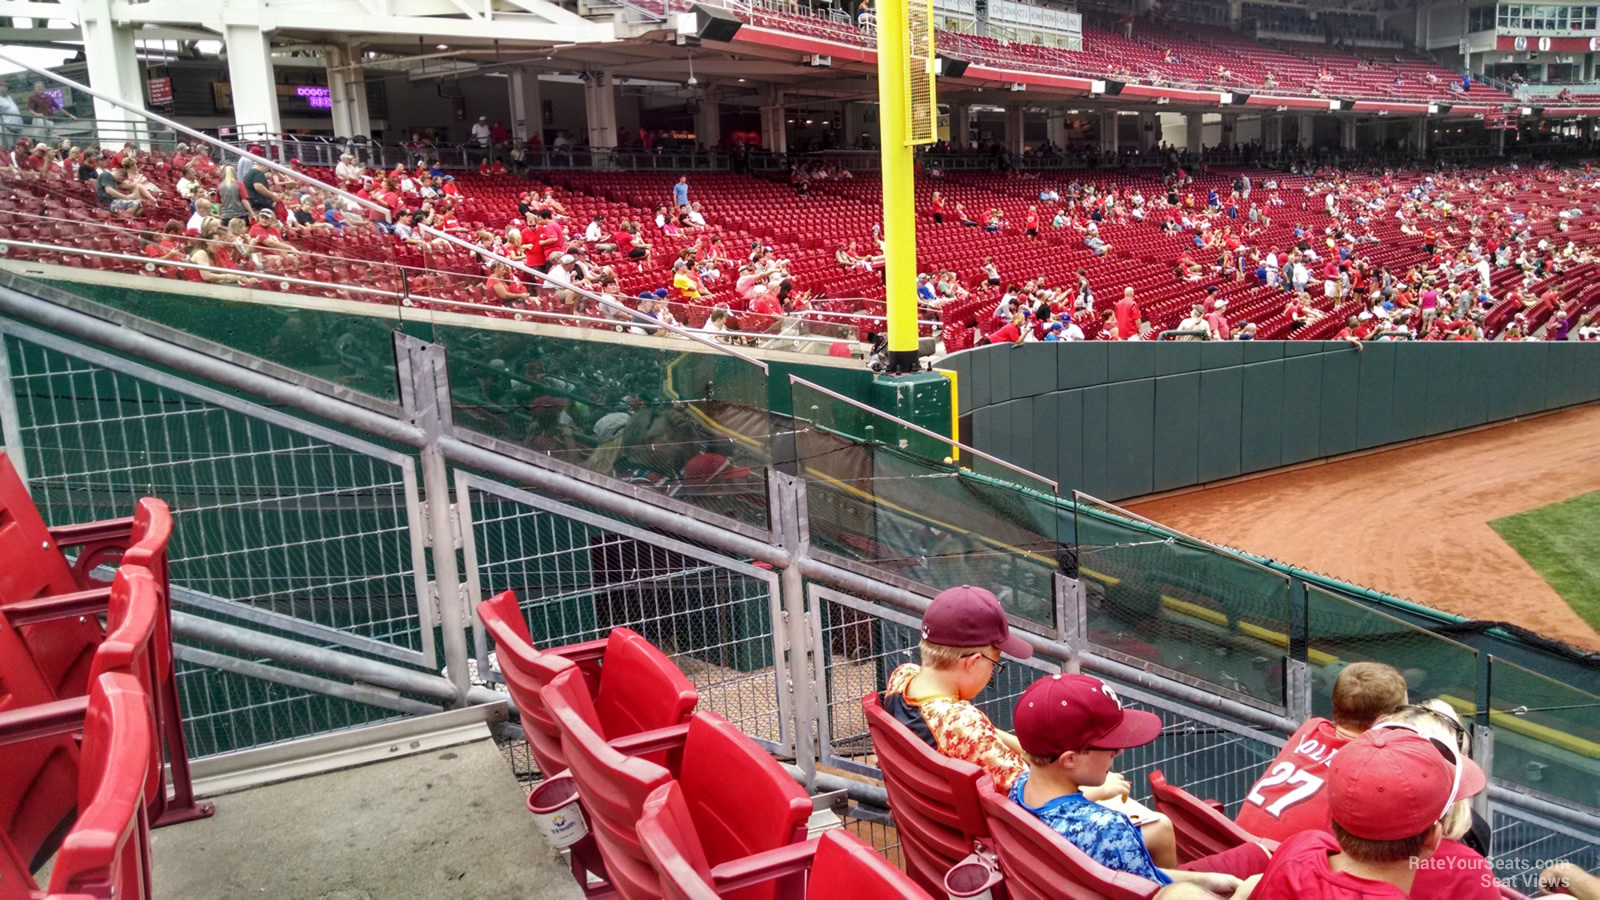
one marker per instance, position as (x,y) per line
(1290,798)
(1108,326)
(548,245)
(1217,322)
(938,208)
(1388,791)
(1009,333)
(1030,225)
(1128,315)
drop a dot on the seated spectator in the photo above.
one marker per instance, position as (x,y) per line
(964,633)
(1389,790)
(113,196)
(1289,798)
(503,287)
(266,233)
(1071,728)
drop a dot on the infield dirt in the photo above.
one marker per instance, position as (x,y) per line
(1414,521)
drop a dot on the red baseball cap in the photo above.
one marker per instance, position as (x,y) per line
(968,616)
(1075,712)
(1392,783)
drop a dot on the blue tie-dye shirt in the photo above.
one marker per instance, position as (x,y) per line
(1104,835)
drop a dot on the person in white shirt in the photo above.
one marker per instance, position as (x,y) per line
(595,232)
(1071,331)
(188,184)
(694,217)
(10,116)
(1195,322)
(480,131)
(203,209)
(347,170)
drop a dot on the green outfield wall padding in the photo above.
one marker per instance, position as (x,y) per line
(1130,435)
(1176,432)
(1221,422)
(1125,419)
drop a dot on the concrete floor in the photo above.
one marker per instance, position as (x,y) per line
(445,823)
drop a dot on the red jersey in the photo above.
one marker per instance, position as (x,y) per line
(1289,798)
(1127,312)
(1300,871)
(550,241)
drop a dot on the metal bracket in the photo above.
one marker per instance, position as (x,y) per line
(1072,619)
(455,525)
(1483,755)
(1297,689)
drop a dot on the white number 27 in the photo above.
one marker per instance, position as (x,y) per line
(1305,784)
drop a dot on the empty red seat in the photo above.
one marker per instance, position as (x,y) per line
(837,864)
(1201,828)
(633,686)
(740,800)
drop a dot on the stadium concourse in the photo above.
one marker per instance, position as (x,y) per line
(1455,253)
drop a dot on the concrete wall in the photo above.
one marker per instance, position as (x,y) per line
(1127,419)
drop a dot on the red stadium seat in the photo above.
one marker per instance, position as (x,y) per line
(1201,828)
(645,689)
(740,800)
(1042,865)
(839,863)
(934,798)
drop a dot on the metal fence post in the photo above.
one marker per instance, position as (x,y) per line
(426,402)
(1072,619)
(10,425)
(801,668)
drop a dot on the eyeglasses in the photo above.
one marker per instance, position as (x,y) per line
(1450,754)
(998,664)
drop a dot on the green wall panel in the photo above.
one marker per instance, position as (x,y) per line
(1033,369)
(1000,372)
(1472,391)
(982,385)
(1081,364)
(1218,354)
(1022,427)
(1444,381)
(1096,405)
(1409,416)
(1173,357)
(1306,348)
(1341,381)
(1506,385)
(1130,421)
(961,364)
(1374,397)
(1176,435)
(1302,407)
(1069,447)
(1001,436)
(1221,422)
(1045,449)
(1261,351)
(1534,384)
(1261,425)
(1132,359)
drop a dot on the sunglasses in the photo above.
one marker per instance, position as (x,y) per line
(1455,726)
(1451,755)
(999,664)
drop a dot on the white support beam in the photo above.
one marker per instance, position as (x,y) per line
(550,12)
(25,9)
(538,21)
(255,93)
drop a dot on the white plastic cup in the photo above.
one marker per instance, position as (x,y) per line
(556,813)
(972,879)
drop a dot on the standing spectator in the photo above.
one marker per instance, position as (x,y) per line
(481,132)
(680,192)
(10,116)
(1128,315)
(498,135)
(1290,798)
(258,189)
(43,105)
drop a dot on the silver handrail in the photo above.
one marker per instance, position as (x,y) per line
(175,126)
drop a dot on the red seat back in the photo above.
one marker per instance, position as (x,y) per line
(1201,829)
(31,565)
(107,852)
(612,786)
(1042,865)
(847,867)
(38,779)
(934,798)
(132,616)
(527,672)
(640,688)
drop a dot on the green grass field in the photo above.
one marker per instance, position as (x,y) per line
(1562,543)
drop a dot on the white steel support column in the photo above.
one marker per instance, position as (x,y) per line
(851,114)
(1347,133)
(1015,117)
(255,92)
(708,124)
(1108,131)
(1271,133)
(1149,131)
(347,90)
(1500,143)
(600,100)
(113,69)
(1194,131)
(1229,121)
(527,105)
(1307,130)
(1056,129)
(1419,136)
(959,116)
(774,128)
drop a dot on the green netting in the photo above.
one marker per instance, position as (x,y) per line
(1341,631)
(1161,598)
(692,424)
(1546,734)
(927,521)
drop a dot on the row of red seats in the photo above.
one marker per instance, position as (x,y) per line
(679,802)
(90,716)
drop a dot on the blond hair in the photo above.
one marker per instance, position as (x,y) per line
(1425,718)
(1364,691)
(944,656)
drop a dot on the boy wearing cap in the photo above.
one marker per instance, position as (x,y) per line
(964,631)
(1388,790)
(1289,798)
(1071,729)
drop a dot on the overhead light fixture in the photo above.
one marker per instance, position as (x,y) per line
(442,47)
(741,81)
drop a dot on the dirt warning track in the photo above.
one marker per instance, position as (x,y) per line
(1414,521)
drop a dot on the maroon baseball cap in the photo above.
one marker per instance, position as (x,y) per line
(968,616)
(1058,713)
(1391,783)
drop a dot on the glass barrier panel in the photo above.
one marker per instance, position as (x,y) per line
(655,411)
(1341,631)
(1163,599)
(874,497)
(1546,734)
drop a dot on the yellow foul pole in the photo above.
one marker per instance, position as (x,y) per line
(905,117)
